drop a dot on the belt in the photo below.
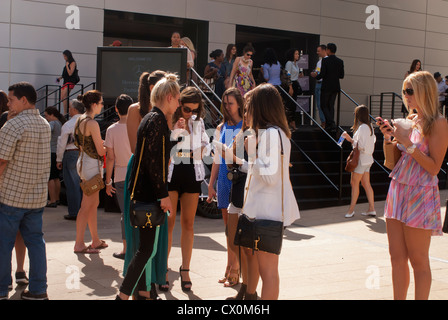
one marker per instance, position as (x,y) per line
(68,150)
(181,154)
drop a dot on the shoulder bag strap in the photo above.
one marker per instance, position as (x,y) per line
(140,161)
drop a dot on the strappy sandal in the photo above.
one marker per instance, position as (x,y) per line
(103,245)
(226,274)
(232,279)
(183,283)
(165,287)
(88,250)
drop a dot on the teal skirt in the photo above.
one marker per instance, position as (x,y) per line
(157,265)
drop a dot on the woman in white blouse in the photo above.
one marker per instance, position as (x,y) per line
(185,174)
(365,139)
(266,117)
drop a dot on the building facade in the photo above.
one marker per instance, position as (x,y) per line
(377,46)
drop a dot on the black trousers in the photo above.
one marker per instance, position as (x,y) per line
(327,100)
(136,269)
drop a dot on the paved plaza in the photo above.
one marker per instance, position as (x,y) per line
(325,257)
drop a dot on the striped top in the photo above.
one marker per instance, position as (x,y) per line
(408,171)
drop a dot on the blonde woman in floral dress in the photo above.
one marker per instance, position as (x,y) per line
(242,71)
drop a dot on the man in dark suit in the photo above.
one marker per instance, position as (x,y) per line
(331,71)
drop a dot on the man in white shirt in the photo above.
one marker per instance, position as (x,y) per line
(66,158)
(442,87)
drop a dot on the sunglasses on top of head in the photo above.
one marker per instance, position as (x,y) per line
(189,110)
(408,92)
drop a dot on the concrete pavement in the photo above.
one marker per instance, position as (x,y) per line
(325,256)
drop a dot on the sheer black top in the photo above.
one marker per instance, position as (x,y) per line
(152,182)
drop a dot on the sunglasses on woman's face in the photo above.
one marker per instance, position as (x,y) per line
(408,91)
(189,110)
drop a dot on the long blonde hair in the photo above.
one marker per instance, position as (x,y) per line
(426,97)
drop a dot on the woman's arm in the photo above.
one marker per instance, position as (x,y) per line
(251,75)
(438,143)
(70,67)
(215,169)
(210,72)
(94,129)
(110,162)
(132,122)
(234,69)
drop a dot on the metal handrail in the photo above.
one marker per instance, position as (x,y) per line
(339,189)
(205,83)
(207,98)
(309,116)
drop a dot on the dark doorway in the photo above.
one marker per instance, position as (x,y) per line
(146,30)
(281,41)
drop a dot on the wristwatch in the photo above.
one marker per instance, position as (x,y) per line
(411,149)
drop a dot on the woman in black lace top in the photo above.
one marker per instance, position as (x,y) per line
(152,182)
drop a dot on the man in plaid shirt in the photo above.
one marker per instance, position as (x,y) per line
(24,171)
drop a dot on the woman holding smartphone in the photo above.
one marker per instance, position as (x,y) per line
(185,175)
(268,193)
(412,208)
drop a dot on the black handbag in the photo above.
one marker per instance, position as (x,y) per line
(146,214)
(261,234)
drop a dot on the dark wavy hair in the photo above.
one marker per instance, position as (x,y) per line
(190,95)
(144,92)
(69,55)
(52,111)
(89,98)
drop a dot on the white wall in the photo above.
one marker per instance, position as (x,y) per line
(33,35)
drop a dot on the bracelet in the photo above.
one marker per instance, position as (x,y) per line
(110,183)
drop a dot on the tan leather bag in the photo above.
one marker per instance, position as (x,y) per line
(391,155)
(95,183)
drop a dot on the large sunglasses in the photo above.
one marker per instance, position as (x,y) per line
(408,92)
(189,110)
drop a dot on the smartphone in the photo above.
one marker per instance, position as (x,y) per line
(380,120)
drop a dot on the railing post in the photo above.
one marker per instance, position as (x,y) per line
(392,116)
(381,104)
(338,109)
(341,163)
(46,97)
(59,98)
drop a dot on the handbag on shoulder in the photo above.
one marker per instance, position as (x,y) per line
(95,183)
(352,160)
(261,234)
(146,214)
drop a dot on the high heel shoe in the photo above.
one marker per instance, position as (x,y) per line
(226,274)
(183,283)
(241,293)
(165,287)
(233,278)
